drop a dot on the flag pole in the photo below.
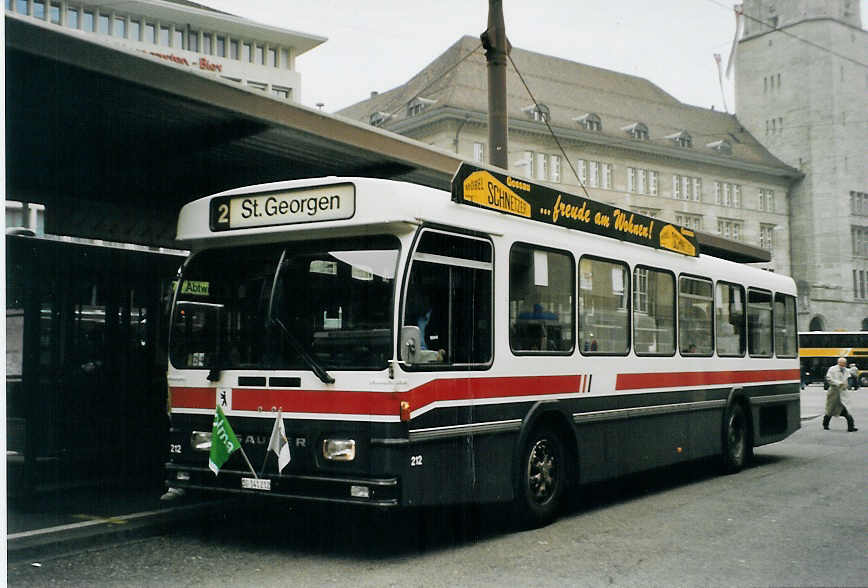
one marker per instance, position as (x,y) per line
(248,463)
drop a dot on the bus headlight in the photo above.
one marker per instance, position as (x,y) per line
(339,449)
(201,440)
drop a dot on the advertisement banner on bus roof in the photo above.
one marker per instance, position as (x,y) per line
(486,189)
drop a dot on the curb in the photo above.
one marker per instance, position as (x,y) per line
(53,541)
(808,417)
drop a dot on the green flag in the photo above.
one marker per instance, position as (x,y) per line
(223,441)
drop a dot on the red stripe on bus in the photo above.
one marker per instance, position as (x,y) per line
(678,379)
(379,403)
(193,397)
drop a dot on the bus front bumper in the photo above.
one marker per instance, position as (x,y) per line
(380,492)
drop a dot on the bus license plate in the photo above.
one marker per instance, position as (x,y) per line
(256,484)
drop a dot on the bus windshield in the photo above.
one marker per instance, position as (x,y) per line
(312,305)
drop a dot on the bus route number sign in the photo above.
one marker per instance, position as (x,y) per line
(286,207)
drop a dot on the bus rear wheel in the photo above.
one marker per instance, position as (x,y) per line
(737,445)
(542,478)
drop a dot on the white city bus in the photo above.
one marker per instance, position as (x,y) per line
(501,344)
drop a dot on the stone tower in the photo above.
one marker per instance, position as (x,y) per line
(801,88)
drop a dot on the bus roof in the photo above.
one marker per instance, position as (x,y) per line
(342,206)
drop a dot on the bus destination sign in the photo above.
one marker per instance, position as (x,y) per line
(485,189)
(287,207)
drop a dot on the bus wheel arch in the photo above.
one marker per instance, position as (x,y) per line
(737,434)
(545,464)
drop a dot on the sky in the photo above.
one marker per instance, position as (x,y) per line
(376,45)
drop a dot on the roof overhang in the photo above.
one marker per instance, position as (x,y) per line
(87,122)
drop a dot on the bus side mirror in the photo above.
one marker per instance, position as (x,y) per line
(410,337)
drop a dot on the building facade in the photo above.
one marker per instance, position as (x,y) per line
(628,142)
(187,35)
(802,89)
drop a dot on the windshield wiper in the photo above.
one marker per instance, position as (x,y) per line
(310,360)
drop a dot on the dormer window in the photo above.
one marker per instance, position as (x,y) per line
(417,105)
(539,113)
(590,122)
(637,131)
(723,146)
(377,119)
(682,139)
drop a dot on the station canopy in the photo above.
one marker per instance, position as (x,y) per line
(113,142)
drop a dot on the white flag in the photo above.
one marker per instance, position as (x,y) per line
(279,444)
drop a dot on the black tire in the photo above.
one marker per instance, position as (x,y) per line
(737,443)
(542,478)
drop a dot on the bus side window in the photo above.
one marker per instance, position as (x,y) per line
(653,311)
(695,336)
(785,325)
(449,299)
(604,287)
(541,294)
(729,314)
(759,323)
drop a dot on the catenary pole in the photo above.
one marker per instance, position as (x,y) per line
(497,49)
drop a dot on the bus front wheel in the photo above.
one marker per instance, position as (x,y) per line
(542,478)
(737,444)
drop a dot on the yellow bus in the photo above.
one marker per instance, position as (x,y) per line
(819,350)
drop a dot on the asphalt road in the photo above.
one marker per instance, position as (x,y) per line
(798,516)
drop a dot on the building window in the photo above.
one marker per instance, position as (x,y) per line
(682,139)
(377,119)
(135,30)
(582,171)
(39,9)
(730,228)
(727,194)
(178,39)
(284,93)
(594,174)
(233,49)
(690,221)
(637,131)
(686,188)
(642,181)
(766,200)
(54,13)
(21,6)
(539,113)
(479,152)
(164,36)
(284,58)
(767,237)
(221,46)
(607,175)
(860,241)
(555,168)
(590,122)
(652,212)
(859,203)
(119,27)
(150,32)
(260,55)
(257,86)
(72,18)
(246,52)
(722,146)
(272,57)
(193,41)
(102,23)
(417,105)
(541,162)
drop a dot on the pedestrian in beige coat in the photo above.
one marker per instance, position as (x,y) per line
(837,376)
